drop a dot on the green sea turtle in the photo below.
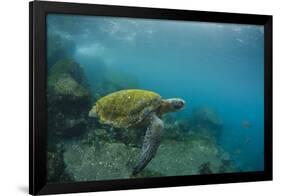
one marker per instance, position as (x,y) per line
(137,108)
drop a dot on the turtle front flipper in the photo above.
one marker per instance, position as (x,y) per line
(93,112)
(150,144)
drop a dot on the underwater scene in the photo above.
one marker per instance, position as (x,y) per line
(142,98)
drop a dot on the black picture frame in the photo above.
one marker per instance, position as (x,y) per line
(37,101)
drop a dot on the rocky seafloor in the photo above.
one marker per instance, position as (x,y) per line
(116,160)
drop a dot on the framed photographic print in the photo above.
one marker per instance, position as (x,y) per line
(130,97)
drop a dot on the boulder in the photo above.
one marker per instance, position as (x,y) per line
(206,121)
(107,162)
(56,167)
(68,99)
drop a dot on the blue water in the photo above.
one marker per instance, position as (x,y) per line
(212,64)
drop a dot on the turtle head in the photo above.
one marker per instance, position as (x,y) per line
(176,104)
(172,105)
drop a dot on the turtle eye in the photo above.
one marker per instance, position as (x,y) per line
(180,103)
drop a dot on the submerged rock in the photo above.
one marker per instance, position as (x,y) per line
(130,137)
(67,86)
(110,161)
(56,167)
(205,168)
(104,160)
(206,121)
(176,129)
(68,99)
(98,134)
(185,157)
(205,115)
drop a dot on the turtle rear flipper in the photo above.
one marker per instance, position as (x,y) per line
(150,144)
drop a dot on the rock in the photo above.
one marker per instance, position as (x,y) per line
(205,168)
(130,137)
(68,99)
(68,87)
(206,121)
(187,157)
(103,160)
(175,128)
(110,161)
(227,164)
(55,166)
(183,125)
(104,133)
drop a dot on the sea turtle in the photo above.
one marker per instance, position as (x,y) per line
(133,108)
